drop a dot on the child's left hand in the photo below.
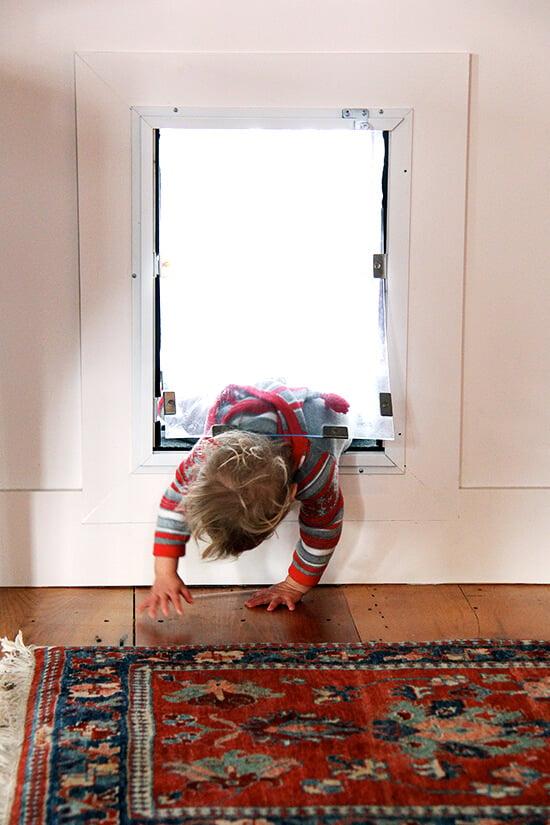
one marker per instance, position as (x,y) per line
(286,593)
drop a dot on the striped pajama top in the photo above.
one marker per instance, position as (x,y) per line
(299,414)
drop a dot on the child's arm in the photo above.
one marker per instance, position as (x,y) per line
(171,536)
(288,593)
(321,519)
(167,589)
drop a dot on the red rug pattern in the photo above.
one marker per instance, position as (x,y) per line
(451,733)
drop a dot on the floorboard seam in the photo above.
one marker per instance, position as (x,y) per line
(474,612)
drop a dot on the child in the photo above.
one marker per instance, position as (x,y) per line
(236,487)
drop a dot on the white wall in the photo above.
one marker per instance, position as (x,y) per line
(498,526)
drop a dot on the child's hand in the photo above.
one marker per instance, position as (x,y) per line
(287,593)
(167,591)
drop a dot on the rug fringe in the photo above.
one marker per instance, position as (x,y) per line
(16,673)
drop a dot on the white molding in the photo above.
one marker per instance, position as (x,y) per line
(109,85)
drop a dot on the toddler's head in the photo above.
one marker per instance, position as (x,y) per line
(241,492)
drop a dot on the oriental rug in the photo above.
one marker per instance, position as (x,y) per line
(447,733)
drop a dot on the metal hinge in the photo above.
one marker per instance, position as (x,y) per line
(331,431)
(360,117)
(386,406)
(379,265)
(169,403)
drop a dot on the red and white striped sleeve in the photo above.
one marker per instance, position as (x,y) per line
(171,534)
(321,519)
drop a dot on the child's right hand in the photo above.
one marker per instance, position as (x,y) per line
(167,592)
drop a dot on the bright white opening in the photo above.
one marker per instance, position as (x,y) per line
(266,238)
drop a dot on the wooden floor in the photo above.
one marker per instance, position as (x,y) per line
(346,613)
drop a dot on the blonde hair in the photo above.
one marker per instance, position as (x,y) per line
(240,494)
